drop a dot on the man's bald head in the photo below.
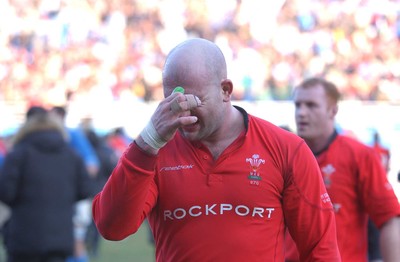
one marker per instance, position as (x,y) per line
(192,61)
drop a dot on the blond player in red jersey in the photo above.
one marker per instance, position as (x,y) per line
(214,182)
(353,175)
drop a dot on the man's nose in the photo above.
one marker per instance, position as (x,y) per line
(300,110)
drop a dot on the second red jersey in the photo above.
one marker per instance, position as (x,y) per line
(358,187)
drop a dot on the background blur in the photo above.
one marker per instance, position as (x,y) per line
(103,58)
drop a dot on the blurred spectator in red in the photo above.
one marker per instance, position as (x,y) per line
(118,140)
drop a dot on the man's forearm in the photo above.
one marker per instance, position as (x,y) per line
(390,240)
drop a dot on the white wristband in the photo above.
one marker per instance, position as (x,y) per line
(151,137)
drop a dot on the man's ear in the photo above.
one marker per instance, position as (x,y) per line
(335,109)
(227,88)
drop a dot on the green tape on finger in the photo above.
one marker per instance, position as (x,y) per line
(178,89)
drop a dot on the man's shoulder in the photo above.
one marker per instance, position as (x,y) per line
(351,141)
(355,146)
(255,121)
(272,132)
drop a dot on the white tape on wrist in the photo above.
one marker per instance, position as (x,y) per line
(151,137)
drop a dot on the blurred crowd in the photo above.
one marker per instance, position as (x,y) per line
(53,52)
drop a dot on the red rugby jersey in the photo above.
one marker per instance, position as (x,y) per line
(358,187)
(234,208)
(384,155)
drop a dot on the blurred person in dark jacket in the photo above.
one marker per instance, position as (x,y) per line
(41,179)
(4,209)
(82,214)
(108,160)
(107,156)
(3,150)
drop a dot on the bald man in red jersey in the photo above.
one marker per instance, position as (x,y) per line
(214,182)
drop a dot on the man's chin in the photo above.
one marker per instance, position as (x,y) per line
(302,134)
(192,136)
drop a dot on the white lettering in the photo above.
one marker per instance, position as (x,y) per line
(246,209)
(176,211)
(254,182)
(175,168)
(225,207)
(270,211)
(209,209)
(167,214)
(258,211)
(195,214)
(218,209)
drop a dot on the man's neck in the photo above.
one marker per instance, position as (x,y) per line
(321,144)
(234,126)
